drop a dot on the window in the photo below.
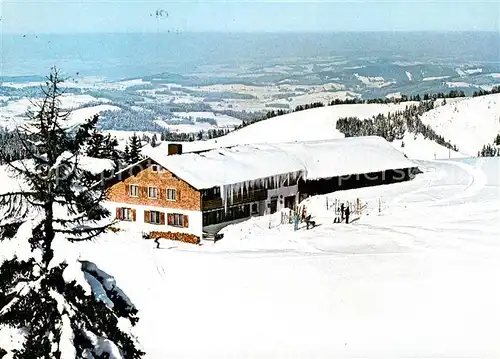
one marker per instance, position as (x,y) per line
(134,190)
(171,194)
(154,217)
(176,219)
(125,214)
(156,168)
(212,193)
(153,192)
(255,208)
(212,217)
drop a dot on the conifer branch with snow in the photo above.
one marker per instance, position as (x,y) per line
(64,307)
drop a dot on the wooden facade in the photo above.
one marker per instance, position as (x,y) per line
(216,202)
(343,183)
(186,196)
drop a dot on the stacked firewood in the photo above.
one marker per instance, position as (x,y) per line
(175,236)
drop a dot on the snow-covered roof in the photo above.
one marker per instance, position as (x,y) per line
(227,165)
(318,159)
(96,165)
(347,156)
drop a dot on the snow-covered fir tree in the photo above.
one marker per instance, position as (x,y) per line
(63,306)
(154,141)
(95,143)
(135,149)
(104,146)
(126,154)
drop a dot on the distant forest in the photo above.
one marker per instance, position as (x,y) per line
(393,126)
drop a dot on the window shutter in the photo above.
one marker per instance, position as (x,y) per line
(162,218)
(159,190)
(170,219)
(127,189)
(186,221)
(146,216)
(133,215)
(118,213)
(178,195)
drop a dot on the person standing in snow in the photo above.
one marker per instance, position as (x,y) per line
(342,212)
(347,212)
(295,221)
(157,243)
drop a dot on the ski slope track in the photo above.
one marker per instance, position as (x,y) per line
(419,278)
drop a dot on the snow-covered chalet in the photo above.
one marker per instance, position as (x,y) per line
(199,192)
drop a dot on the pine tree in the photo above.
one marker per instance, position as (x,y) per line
(135,149)
(154,141)
(95,142)
(126,154)
(110,150)
(106,147)
(66,308)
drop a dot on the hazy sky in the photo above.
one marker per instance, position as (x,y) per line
(72,16)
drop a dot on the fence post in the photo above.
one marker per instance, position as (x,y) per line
(379,205)
(326,202)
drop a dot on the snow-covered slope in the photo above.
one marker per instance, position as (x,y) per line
(87,112)
(308,125)
(320,124)
(469,124)
(419,279)
(13,113)
(418,147)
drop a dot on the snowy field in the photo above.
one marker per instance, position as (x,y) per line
(14,112)
(419,279)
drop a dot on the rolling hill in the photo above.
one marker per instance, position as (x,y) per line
(469,124)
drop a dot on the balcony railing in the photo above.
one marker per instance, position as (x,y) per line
(238,198)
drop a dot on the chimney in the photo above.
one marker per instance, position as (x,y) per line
(174,149)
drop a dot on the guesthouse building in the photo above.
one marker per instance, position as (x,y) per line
(199,193)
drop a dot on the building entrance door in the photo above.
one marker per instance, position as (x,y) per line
(274,204)
(289,202)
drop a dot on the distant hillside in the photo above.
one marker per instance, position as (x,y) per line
(470,123)
(320,124)
(308,125)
